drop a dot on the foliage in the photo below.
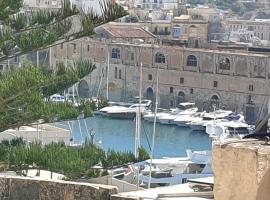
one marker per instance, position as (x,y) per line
(32,30)
(143,154)
(74,162)
(24,92)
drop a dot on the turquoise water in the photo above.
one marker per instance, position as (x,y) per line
(119,135)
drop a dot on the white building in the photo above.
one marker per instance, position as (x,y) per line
(34,4)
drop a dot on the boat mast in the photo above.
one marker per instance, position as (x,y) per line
(108,69)
(138,127)
(154,131)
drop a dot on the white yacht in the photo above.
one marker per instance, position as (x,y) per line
(224,129)
(123,112)
(150,116)
(185,108)
(199,124)
(184,119)
(172,171)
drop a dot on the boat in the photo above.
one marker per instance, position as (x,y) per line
(199,124)
(57,98)
(150,116)
(123,112)
(185,108)
(184,119)
(171,171)
(232,126)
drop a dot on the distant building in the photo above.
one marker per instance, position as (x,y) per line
(205,13)
(180,30)
(42,4)
(236,80)
(87,5)
(125,32)
(10,63)
(259,27)
(44,133)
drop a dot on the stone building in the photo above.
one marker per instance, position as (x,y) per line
(130,32)
(260,28)
(236,80)
(10,63)
(42,4)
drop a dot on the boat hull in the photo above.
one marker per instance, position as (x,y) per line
(122,115)
(195,127)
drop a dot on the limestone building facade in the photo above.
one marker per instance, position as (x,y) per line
(237,80)
(260,28)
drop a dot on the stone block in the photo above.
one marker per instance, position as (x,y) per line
(242,170)
(19,188)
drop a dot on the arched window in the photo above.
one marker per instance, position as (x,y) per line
(116,53)
(214,98)
(215,101)
(160,58)
(181,97)
(192,61)
(149,93)
(225,64)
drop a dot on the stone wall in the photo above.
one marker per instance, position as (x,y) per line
(240,80)
(19,188)
(242,171)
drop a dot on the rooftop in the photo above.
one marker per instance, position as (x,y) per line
(128,32)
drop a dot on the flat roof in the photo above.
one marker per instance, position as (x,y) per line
(128,32)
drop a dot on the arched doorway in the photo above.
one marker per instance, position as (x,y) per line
(150,94)
(180,97)
(215,100)
(84,91)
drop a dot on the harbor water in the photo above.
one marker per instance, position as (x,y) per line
(170,141)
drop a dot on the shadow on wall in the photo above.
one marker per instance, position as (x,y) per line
(263,190)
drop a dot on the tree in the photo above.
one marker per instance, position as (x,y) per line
(24,92)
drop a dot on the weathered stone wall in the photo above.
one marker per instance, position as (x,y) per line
(19,188)
(242,171)
(243,86)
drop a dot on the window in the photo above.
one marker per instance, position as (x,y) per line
(74,48)
(120,74)
(160,58)
(184,180)
(225,64)
(88,47)
(116,53)
(132,56)
(166,30)
(215,84)
(171,103)
(150,77)
(181,80)
(62,46)
(171,90)
(16,59)
(191,91)
(156,30)
(250,87)
(1,67)
(115,72)
(192,61)
(250,101)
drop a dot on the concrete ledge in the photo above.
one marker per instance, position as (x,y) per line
(21,188)
(242,170)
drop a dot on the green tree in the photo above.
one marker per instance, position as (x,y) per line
(24,92)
